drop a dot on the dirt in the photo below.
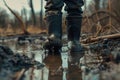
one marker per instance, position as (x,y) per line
(12,63)
(100,61)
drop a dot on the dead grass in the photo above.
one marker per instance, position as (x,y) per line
(14,31)
(35,30)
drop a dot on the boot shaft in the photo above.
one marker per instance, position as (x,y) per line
(54,24)
(74,27)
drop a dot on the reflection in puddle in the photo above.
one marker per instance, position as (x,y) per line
(51,71)
(56,66)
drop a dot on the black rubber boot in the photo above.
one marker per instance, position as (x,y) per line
(54,23)
(74,30)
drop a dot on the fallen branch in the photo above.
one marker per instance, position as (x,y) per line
(90,40)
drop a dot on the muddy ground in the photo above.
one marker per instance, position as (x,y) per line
(26,60)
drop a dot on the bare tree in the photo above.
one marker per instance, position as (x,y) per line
(41,14)
(104,4)
(116,8)
(32,11)
(3,18)
(97,4)
(24,15)
(100,4)
(18,18)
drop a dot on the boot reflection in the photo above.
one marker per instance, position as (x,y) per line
(54,63)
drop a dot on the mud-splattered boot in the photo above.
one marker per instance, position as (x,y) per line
(74,30)
(54,23)
(53,45)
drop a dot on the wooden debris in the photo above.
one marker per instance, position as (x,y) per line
(90,40)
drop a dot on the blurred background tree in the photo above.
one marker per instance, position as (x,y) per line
(116,9)
(32,12)
(4,18)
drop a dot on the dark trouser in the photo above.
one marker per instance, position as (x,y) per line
(72,6)
(54,16)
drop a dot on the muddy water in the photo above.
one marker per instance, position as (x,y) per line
(55,66)
(58,67)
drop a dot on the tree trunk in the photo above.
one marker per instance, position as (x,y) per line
(24,15)
(18,18)
(97,4)
(41,14)
(33,12)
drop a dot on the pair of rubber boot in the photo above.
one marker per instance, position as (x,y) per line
(54,42)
